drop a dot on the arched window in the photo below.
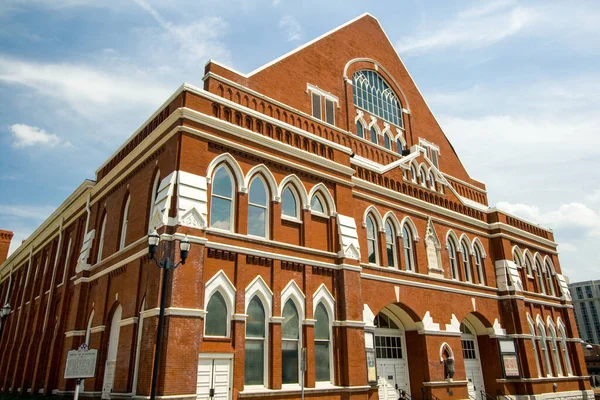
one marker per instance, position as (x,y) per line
(372,93)
(101,241)
(290,348)
(256,354)
(423,176)
(544,347)
(215,321)
(555,351)
(466,261)
(407,239)
(372,240)
(539,272)
(124,224)
(431,180)
(317,204)
(479,265)
(399,146)
(533,343)
(153,197)
(518,259)
(289,203)
(529,265)
(373,135)
(360,129)
(390,244)
(413,173)
(322,344)
(258,209)
(452,255)
(387,143)
(221,202)
(549,280)
(565,349)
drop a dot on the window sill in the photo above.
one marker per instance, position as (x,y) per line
(217,339)
(291,219)
(319,214)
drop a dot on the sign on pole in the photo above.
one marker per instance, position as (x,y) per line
(81,364)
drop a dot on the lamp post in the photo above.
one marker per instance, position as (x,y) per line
(167,265)
(3,315)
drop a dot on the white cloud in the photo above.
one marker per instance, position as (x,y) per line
(27,136)
(473,28)
(37,213)
(291,27)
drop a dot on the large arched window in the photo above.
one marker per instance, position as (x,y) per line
(153,197)
(258,208)
(390,244)
(215,321)
(565,349)
(372,93)
(290,202)
(543,340)
(125,222)
(555,350)
(407,240)
(539,272)
(534,345)
(322,344)
(453,260)
(290,346)
(549,280)
(221,202)
(255,358)
(372,240)
(360,129)
(101,242)
(479,265)
(466,261)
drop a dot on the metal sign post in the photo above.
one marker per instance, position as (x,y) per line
(303,370)
(81,364)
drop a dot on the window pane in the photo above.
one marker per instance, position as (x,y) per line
(316,105)
(258,192)
(389,232)
(256,221)
(387,142)
(221,184)
(288,203)
(216,316)
(322,361)
(372,257)
(220,213)
(322,323)
(316,204)
(255,322)
(254,362)
(373,135)
(329,110)
(289,361)
(390,255)
(290,326)
(359,129)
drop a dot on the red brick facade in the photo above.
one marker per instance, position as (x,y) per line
(445,269)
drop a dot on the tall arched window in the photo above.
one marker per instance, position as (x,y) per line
(153,196)
(543,340)
(372,240)
(533,343)
(215,321)
(255,357)
(479,265)
(549,280)
(518,260)
(222,200)
(407,240)
(431,180)
(539,272)
(466,261)
(373,135)
(390,244)
(322,344)
(529,265)
(453,260)
(101,241)
(399,146)
(373,94)
(565,349)
(423,176)
(413,173)
(555,351)
(289,203)
(387,143)
(124,224)
(360,129)
(258,208)
(290,346)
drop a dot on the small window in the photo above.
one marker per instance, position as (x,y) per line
(390,244)
(399,146)
(316,204)
(387,142)
(101,244)
(329,112)
(316,105)
(423,177)
(453,261)
(360,130)
(466,261)
(215,322)
(322,345)
(289,203)
(434,158)
(373,135)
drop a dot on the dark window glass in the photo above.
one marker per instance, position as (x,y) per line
(322,344)
(316,105)
(289,346)
(360,130)
(254,361)
(288,203)
(329,112)
(373,135)
(216,316)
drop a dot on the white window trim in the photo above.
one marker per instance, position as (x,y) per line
(221,283)
(153,197)
(315,89)
(323,296)
(101,242)
(232,200)
(375,239)
(124,224)
(259,288)
(394,243)
(266,207)
(292,292)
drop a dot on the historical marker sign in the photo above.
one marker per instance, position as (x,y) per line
(81,364)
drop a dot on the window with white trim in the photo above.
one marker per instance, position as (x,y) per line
(479,266)
(124,224)
(387,143)
(215,321)
(290,203)
(153,198)
(322,344)
(316,105)
(432,151)
(373,94)
(317,204)
(258,208)
(372,240)
(374,135)
(407,240)
(255,359)
(390,244)
(101,241)
(329,111)
(466,261)
(290,346)
(452,255)
(360,129)
(222,200)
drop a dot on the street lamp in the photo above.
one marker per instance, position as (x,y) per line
(4,311)
(167,265)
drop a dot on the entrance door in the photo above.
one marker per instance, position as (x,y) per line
(392,365)
(391,379)
(473,370)
(214,378)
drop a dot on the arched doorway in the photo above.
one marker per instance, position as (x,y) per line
(111,354)
(470,351)
(390,353)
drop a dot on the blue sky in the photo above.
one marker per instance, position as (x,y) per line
(515,86)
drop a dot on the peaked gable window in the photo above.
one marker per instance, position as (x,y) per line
(372,93)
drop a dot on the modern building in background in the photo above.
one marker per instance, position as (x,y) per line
(586,301)
(327,211)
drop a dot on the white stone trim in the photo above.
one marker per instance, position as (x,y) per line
(74,333)
(97,329)
(221,283)
(128,321)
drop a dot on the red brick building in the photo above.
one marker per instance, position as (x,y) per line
(327,210)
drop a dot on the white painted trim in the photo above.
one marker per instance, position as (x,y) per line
(323,93)
(128,321)
(221,283)
(105,271)
(97,329)
(178,311)
(350,324)
(74,333)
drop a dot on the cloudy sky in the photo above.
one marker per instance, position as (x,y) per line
(515,85)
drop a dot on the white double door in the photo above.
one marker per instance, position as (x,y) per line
(392,378)
(214,378)
(474,379)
